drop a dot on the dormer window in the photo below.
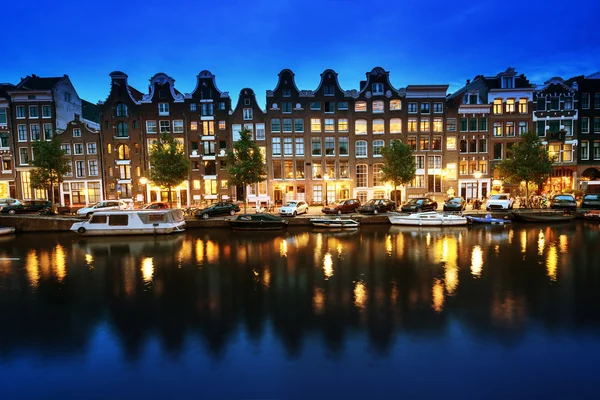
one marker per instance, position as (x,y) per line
(328,90)
(378,88)
(508,82)
(287,93)
(163,109)
(471,98)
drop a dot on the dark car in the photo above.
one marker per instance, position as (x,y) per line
(157,205)
(220,208)
(376,206)
(456,204)
(420,204)
(591,200)
(563,202)
(342,206)
(29,206)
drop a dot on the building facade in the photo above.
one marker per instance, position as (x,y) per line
(588,105)
(7,155)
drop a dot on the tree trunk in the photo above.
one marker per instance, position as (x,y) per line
(245,197)
(170,198)
(52,196)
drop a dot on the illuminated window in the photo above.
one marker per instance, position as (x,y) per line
(451,143)
(412,124)
(378,126)
(424,144)
(361,175)
(208,128)
(567,153)
(193,126)
(436,143)
(360,106)
(498,106)
(316,170)
(196,184)
(395,105)
(299,169)
(378,106)
(425,125)
(418,181)
(412,142)
(522,106)
(223,125)
(497,129)
(315,124)
(438,125)
(360,127)
(342,125)
(395,125)
(510,105)
(378,175)
(361,148)
(510,129)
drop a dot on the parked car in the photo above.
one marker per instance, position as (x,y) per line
(157,205)
(420,204)
(501,201)
(376,206)
(220,208)
(455,204)
(342,206)
(591,200)
(6,201)
(28,206)
(293,208)
(107,205)
(563,202)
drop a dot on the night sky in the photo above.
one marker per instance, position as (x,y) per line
(247,43)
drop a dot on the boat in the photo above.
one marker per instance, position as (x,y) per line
(542,216)
(257,222)
(430,218)
(592,215)
(488,219)
(6,230)
(131,222)
(334,223)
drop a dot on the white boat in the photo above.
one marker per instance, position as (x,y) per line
(6,230)
(430,218)
(131,222)
(334,223)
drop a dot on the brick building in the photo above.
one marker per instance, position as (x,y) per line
(588,104)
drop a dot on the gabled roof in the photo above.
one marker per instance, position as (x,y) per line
(35,82)
(90,111)
(4,87)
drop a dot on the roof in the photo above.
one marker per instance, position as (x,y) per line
(4,87)
(35,82)
(90,111)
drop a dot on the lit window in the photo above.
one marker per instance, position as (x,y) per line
(360,127)
(510,105)
(361,176)
(223,125)
(360,106)
(395,105)
(193,126)
(522,106)
(342,125)
(425,125)
(412,124)
(438,125)
(497,129)
(395,125)
(498,106)
(315,124)
(378,126)
(378,106)
(329,125)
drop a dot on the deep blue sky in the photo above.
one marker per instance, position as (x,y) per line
(247,43)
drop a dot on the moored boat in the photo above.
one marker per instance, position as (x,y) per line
(542,216)
(131,222)
(488,219)
(334,223)
(592,215)
(6,230)
(431,218)
(257,222)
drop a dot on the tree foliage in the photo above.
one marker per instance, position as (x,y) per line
(526,161)
(50,164)
(169,163)
(399,166)
(245,163)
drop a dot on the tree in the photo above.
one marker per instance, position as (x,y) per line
(526,161)
(169,163)
(51,165)
(245,163)
(399,167)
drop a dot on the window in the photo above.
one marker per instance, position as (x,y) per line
(34,112)
(35,132)
(20,112)
(483,124)
(507,82)
(541,104)
(316,170)
(425,108)
(287,93)
(78,148)
(221,105)
(66,148)
(91,148)
(418,181)
(360,106)
(567,153)
(483,166)
(522,127)
(48,132)
(46,112)
(276,146)
(361,175)
(585,150)
(472,146)
(412,142)
(3,118)
(76,132)
(420,162)
(299,146)
(424,144)
(497,129)
(260,131)
(67,97)
(123,152)
(463,146)
(315,124)
(434,162)
(299,169)
(568,103)
(286,107)
(585,100)
(80,169)
(207,110)
(436,143)
(395,105)
(473,124)
(377,88)
(497,151)
(328,90)
(151,127)
(330,107)
(378,106)
(470,98)
(568,127)
(163,109)
(121,110)
(343,105)
(165,126)
(597,100)
(451,124)
(6,165)
(361,148)
(463,124)
(329,146)
(275,125)
(438,108)
(342,125)
(412,108)
(315,105)
(316,147)
(451,143)
(596,125)
(4,140)
(22,131)
(298,125)
(343,146)
(498,106)
(360,127)
(596,150)
(287,125)
(412,124)
(178,126)
(482,145)
(425,125)
(329,125)
(247,114)
(122,130)
(378,126)
(395,125)
(277,169)
(377,146)
(223,125)
(541,128)
(192,106)
(522,106)
(23,156)
(288,146)
(585,125)
(510,129)
(554,103)
(510,105)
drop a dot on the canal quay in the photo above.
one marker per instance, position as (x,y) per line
(506,311)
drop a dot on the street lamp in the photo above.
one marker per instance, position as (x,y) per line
(477,176)
(326,176)
(143,182)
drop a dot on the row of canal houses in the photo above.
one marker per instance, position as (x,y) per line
(319,145)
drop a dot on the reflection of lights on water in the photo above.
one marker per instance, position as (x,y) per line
(497,250)
(60,263)
(476,261)
(511,235)
(319,300)
(147,269)
(328,265)
(199,251)
(388,245)
(437,294)
(541,243)
(523,241)
(360,295)
(428,240)
(551,262)
(394,294)
(339,250)
(283,248)
(448,250)
(212,251)
(32,267)
(563,243)
(89,260)
(267,277)
(451,279)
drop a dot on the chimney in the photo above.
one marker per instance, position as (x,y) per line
(468,81)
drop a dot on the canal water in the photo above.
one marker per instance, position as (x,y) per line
(380,312)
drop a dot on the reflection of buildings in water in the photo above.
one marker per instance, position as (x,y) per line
(360,295)
(437,295)
(33,268)
(508,311)
(551,262)
(541,243)
(476,261)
